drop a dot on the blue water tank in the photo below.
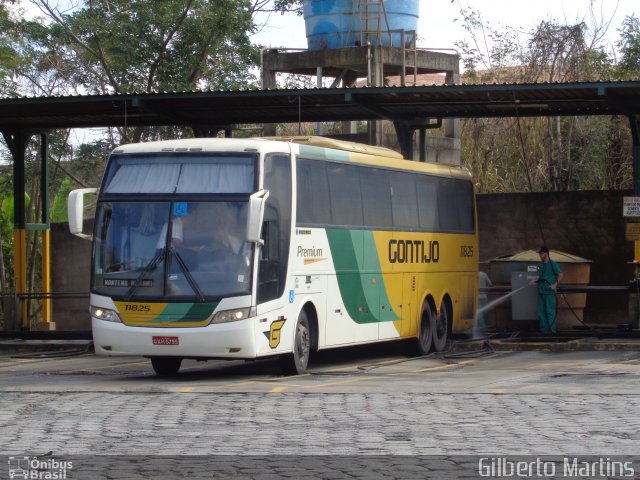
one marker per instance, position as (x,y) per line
(338,23)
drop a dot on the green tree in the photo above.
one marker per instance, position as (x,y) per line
(59,205)
(125,46)
(629,45)
(10,59)
(279,6)
(545,153)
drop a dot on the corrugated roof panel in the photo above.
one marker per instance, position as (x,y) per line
(224,107)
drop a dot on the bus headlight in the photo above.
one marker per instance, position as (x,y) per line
(105,314)
(226,316)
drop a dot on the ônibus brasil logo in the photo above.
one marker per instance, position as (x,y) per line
(40,469)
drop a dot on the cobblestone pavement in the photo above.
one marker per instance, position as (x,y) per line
(298,434)
(319,424)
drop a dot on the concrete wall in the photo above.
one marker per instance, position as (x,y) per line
(587,224)
(438,149)
(70,272)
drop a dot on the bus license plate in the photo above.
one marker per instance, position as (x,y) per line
(165,340)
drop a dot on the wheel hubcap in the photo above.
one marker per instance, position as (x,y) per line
(441,324)
(302,345)
(424,332)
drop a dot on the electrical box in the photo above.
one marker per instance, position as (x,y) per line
(524,303)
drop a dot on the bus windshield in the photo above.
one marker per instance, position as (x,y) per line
(189,250)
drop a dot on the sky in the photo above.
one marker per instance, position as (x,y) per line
(440,22)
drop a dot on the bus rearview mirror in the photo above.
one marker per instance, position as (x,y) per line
(255,216)
(75,211)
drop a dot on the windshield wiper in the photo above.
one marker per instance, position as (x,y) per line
(187,274)
(152,265)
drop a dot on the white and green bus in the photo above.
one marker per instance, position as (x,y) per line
(253,248)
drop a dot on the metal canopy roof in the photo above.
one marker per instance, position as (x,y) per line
(210,109)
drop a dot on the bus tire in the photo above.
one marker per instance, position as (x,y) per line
(425,330)
(440,328)
(166,366)
(296,363)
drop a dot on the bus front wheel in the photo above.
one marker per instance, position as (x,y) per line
(296,363)
(165,366)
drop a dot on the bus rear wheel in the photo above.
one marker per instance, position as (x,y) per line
(296,363)
(425,332)
(440,327)
(166,366)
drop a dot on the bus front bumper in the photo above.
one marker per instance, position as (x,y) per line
(226,340)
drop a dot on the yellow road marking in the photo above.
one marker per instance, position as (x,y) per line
(186,389)
(359,378)
(277,389)
(237,384)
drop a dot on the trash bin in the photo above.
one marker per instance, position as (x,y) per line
(517,312)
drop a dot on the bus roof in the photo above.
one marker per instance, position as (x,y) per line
(327,148)
(203,144)
(375,156)
(325,142)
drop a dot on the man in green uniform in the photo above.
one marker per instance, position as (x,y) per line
(549,275)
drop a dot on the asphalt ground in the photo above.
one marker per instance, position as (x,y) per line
(488,365)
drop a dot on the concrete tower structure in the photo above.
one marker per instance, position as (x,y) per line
(372,43)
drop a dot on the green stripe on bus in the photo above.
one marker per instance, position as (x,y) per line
(362,293)
(186,312)
(370,252)
(325,153)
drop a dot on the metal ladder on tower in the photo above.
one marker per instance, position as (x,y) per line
(373,18)
(374,24)
(409,56)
